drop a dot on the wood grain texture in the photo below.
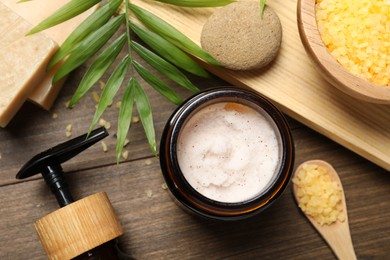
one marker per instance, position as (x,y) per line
(78,227)
(155,227)
(295,85)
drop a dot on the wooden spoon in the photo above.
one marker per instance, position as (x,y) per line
(337,234)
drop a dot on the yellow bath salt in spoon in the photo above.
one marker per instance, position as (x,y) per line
(319,194)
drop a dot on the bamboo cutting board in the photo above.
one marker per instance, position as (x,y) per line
(294,85)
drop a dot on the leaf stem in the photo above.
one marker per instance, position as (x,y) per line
(262,7)
(128,34)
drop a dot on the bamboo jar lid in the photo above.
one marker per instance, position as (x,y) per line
(78,227)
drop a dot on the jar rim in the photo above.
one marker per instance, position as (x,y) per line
(185,193)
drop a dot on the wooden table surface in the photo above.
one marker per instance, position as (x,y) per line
(155,227)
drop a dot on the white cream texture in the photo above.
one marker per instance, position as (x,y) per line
(228,152)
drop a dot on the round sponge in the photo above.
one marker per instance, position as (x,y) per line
(239,38)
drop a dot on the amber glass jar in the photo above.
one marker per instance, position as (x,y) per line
(221,194)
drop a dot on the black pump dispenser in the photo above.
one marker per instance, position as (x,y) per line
(83,229)
(48,163)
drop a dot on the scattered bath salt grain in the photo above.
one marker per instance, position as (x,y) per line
(118,104)
(357,34)
(102,84)
(319,196)
(125,154)
(148,162)
(54,115)
(135,119)
(67,104)
(127,141)
(69,129)
(164,186)
(104,146)
(149,193)
(104,123)
(95,96)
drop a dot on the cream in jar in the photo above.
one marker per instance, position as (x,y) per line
(229,152)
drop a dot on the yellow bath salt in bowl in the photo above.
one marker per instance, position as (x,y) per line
(357,34)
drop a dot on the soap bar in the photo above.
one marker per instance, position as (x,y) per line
(45,93)
(23,60)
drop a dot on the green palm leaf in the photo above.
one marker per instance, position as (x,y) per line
(262,7)
(171,34)
(89,25)
(89,46)
(157,84)
(124,118)
(169,51)
(66,12)
(197,3)
(163,66)
(111,88)
(145,113)
(98,68)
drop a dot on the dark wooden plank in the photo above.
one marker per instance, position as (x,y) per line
(156,228)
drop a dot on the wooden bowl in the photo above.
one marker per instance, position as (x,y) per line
(328,66)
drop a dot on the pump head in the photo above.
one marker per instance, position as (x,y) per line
(48,163)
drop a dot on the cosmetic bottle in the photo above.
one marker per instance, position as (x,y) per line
(82,229)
